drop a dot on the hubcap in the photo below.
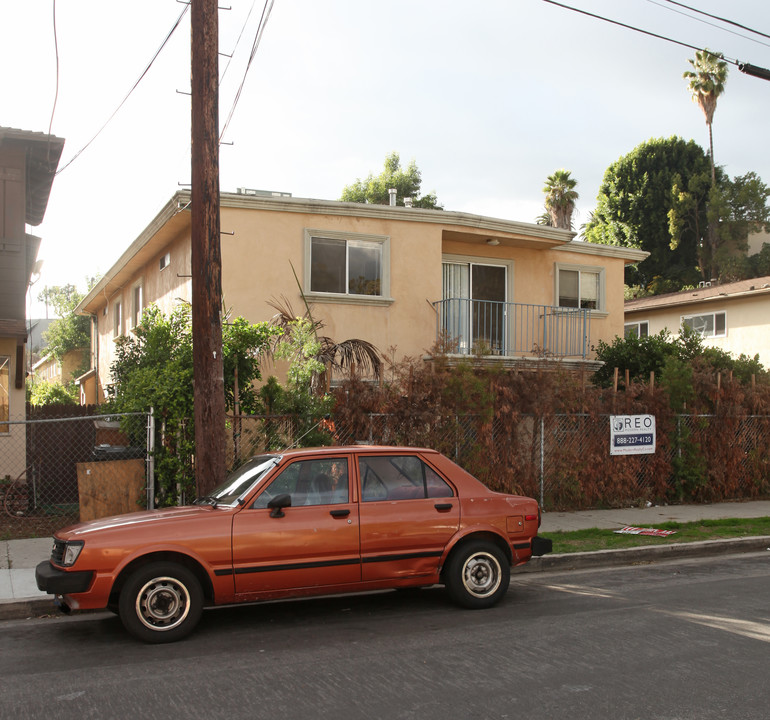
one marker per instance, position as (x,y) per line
(163,603)
(481,574)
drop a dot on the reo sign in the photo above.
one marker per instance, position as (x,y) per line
(632,434)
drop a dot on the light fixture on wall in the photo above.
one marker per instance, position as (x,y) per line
(493,242)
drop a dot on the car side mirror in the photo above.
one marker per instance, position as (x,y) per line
(278,503)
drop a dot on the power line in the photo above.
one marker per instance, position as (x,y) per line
(706,22)
(716,17)
(130,92)
(238,41)
(266,10)
(746,68)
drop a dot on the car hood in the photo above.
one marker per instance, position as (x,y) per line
(187,513)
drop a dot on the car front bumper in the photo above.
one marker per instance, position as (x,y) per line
(54,581)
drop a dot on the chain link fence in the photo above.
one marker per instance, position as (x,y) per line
(58,470)
(55,471)
(562,460)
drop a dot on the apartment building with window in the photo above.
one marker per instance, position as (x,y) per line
(734,316)
(401,278)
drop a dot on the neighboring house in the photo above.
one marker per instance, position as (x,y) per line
(28,163)
(398,277)
(756,241)
(734,317)
(36,344)
(49,369)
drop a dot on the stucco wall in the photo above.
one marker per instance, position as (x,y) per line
(747,321)
(262,249)
(13,437)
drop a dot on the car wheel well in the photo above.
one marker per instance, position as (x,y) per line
(178,558)
(486,536)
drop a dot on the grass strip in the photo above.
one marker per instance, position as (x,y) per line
(606,539)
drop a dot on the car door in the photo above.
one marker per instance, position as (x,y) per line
(408,514)
(312,543)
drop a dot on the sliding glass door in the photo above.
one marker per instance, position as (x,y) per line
(474,307)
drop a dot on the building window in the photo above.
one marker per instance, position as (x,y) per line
(5,393)
(347,264)
(165,261)
(580,287)
(474,306)
(117,317)
(637,329)
(136,305)
(707,324)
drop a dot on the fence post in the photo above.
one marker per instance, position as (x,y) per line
(150,459)
(542,460)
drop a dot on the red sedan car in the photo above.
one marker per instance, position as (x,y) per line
(298,523)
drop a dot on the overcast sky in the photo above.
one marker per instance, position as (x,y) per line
(488,97)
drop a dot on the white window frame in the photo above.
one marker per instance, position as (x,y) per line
(117,318)
(637,325)
(713,323)
(136,312)
(165,261)
(594,270)
(383,298)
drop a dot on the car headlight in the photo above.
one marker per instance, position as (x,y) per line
(71,552)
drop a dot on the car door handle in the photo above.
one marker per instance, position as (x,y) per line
(339,513)
(443,506)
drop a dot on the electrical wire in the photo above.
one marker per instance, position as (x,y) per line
(629,27)
(238,41)
(746,68)
(716,17)
(706,22)
(56,93)
(266,10)
(130,92)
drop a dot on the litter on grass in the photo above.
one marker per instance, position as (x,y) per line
(630,530)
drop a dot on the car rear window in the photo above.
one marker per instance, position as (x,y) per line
(399,477)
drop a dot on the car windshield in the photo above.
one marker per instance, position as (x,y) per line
(242,479)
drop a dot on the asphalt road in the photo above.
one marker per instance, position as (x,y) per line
(679,640)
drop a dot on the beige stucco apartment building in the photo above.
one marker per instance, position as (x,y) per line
(395,276)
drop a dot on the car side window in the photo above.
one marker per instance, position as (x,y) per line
(310,482)
(399,477)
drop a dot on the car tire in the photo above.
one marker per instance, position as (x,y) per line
(477,575)
(161,602)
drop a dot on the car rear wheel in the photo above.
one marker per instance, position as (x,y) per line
(477,575)
(161,602)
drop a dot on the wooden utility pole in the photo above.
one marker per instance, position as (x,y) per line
(208,366)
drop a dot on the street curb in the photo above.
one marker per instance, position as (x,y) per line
(639,555)
(27,608)
(37,607)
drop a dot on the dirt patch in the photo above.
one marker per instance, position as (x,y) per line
(33,526)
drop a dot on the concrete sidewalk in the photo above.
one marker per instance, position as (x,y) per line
(19,596)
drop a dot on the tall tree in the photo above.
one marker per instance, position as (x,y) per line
(406,181)
(706,83)
(560,198)
(69,331)
(633,204)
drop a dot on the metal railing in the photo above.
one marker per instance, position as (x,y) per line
(485,327)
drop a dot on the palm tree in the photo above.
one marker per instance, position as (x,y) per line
(707,82)
(347,356)
(560,197)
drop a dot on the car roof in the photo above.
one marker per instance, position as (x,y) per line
(337,449)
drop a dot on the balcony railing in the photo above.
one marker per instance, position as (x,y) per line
(483,327)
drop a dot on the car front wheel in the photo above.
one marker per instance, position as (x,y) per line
(477,575)
(161,602)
